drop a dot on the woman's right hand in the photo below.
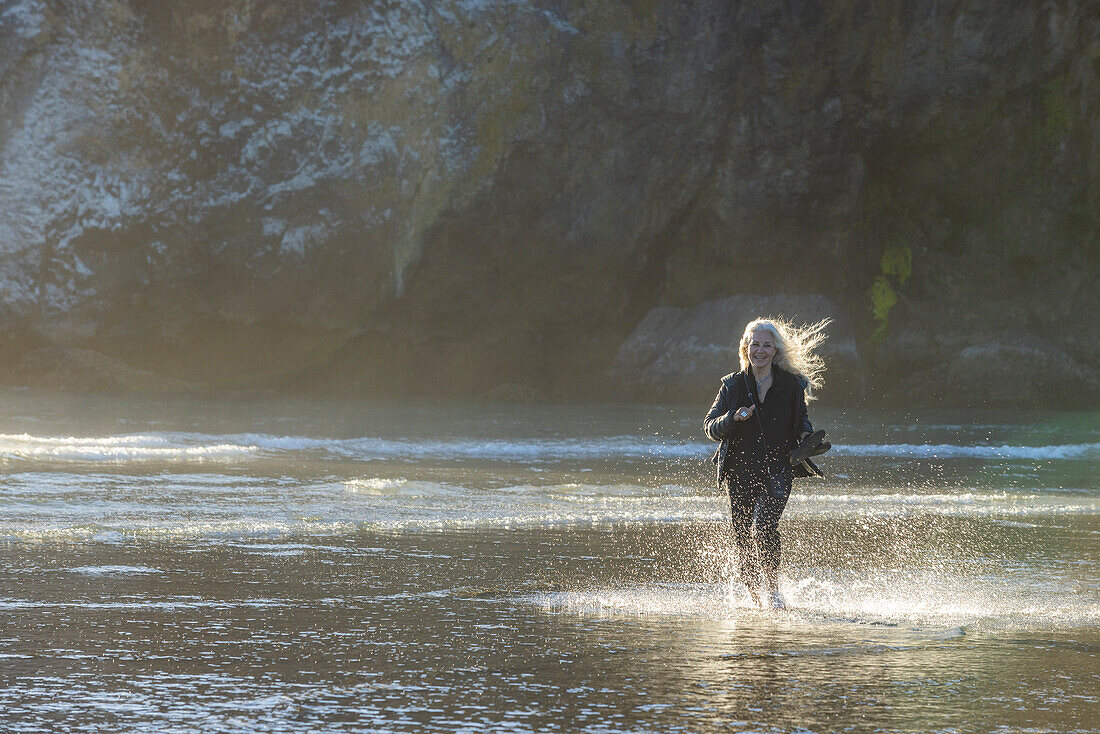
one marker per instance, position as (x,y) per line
(743,414)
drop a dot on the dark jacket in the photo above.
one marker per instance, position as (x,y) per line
(783,417)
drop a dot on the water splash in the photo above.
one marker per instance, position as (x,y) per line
(893,599)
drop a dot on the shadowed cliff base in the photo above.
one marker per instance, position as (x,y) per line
(500,198)
(674,355)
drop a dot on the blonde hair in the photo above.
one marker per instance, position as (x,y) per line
(794,348)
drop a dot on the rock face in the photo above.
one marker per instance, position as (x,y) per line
(682,353)
(457,196)
(1006,372)
(64,368)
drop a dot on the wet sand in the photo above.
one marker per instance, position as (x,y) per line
(580,629)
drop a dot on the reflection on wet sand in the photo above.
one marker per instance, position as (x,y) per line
(573,628)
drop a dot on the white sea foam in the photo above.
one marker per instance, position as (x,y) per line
(122,449)
(399,487)
(115,570)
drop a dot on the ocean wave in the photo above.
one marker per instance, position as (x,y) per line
(952,451)
(202,447)
(199,447)
(122,449)
(523,449)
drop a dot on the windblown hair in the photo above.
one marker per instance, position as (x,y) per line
(794,348)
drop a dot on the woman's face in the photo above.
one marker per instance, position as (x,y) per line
(761,350)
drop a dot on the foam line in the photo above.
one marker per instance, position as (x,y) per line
(951,451)
(147,447)
(121,449)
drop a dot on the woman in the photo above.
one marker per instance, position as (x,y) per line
(760,417)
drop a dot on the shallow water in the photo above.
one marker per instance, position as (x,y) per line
(288,565)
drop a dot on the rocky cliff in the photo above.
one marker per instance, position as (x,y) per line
(471,196)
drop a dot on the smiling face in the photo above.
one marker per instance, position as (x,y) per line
(761,350)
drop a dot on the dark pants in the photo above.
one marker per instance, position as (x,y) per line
(755,514)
